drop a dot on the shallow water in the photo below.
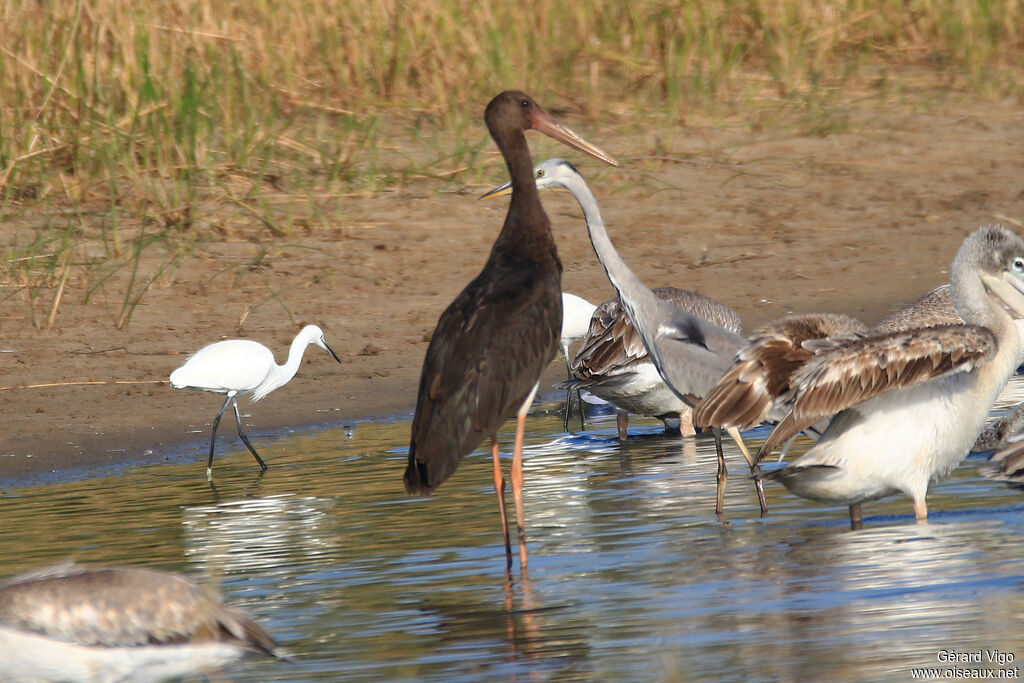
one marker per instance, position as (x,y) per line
(631,575)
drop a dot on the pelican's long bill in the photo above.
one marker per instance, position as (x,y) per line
(1009,290)
(544,123)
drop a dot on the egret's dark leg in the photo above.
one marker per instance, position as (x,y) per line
(213,438)
(499,488)
(754,469)
(245,439)
(856,517)
(516,474)
(723,472)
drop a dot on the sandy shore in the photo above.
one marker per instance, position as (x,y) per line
(767,221)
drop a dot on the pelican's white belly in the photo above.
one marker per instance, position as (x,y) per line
(899,441)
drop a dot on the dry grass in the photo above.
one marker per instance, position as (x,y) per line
(124,125)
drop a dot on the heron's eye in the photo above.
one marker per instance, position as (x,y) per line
(540,173)
(1018,265)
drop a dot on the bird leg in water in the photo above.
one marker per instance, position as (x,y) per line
(213,437)
(723,471)
(622,423)
(245,439)
(516,473)
(754,469)
(921,510)
(499,488)
(856,517)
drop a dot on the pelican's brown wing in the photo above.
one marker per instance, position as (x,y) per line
(854,371)
(488,350)
(760,374)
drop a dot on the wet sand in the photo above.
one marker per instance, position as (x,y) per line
(770,221)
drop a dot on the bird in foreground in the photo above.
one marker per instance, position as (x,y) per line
(904,407)
(237,367)
(613,364)
(690,353)
(75,623)
(494,340)
(576,315)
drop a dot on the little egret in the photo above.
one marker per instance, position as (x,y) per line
(494,340)
(237,367)
(576,314)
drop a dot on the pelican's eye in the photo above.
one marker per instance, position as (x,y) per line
(540,172)
(1018,265)
(524,103)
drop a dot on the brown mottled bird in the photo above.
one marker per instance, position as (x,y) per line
(71,622)
(491,344)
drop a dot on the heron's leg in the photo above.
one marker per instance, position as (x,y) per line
(583,413)
(754,469)
(245,439)
(516,473)
(856,517)
(622,422)
(723,472)
(499,488)
(921,510)
(213,438)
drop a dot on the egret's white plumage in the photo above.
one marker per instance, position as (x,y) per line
(240,367)
(75,623)
(576,314)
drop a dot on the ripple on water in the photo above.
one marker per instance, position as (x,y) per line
(631,577)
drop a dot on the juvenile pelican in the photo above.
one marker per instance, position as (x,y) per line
(690,353)
(613,364)
(75,623)
(905,406)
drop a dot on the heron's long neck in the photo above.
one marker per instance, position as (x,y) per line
(622,277)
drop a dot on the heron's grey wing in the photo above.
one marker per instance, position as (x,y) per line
(858,370)
(691,354)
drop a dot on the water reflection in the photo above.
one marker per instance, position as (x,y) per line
(631,574)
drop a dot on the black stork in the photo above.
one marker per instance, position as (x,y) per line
(491,344)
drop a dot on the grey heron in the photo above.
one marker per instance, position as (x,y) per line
(690,353)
